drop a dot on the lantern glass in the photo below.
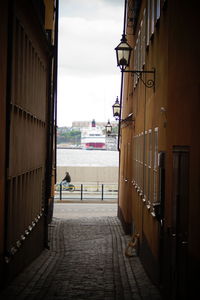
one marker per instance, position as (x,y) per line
(108,128)
(123,53)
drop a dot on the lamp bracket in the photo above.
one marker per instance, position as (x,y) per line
(128,119)
(149,83)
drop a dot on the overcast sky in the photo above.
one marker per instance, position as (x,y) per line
(88,77)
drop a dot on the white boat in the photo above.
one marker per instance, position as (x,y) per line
(92,138)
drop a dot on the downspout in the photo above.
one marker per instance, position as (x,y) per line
(120,114)
(48,170)
(118,142)
(122,77)
(53,122)
(120,103)
(52,100)
(55,82)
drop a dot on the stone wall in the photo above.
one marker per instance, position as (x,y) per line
(89,174)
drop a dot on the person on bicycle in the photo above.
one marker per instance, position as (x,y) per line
(67,179)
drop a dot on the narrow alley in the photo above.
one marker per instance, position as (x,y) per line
(146,104)
(86,260)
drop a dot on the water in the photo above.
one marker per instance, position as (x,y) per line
(92,158)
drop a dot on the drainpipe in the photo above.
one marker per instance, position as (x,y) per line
(52,100)
(122,76)
(55,87)
(121,95)
(48,169)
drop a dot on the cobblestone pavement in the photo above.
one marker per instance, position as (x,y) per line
(86,261)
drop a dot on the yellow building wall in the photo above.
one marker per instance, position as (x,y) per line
(173,108)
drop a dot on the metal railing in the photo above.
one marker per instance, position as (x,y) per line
(86,191)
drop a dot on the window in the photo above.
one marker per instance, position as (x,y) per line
(136,160)
(139,161)
(148,23)
(155,168)
(124,162)
(150,149)
(145,167)
(149,168)
(139,51)
(152,17)
(157,10)
(140,47)
(143,38)
(142,162)
(135,63)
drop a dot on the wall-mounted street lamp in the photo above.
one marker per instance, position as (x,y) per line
(116,109)
(123,53)
(108,128)
(117,115)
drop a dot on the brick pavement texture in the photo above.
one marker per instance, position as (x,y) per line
(86,260)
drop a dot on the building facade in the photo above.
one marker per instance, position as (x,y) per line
(159,176)
(28,54)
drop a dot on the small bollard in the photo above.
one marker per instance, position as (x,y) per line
(60,191)
(102,192)
(81,191)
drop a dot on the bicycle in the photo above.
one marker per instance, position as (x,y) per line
(70,187)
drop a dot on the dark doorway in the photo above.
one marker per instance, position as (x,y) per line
(180,221)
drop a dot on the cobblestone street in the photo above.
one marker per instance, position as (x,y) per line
(86,260)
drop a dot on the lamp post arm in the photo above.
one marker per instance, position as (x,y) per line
(148,83)
(138,72)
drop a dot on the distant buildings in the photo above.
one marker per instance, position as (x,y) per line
(81,124)
(91,137)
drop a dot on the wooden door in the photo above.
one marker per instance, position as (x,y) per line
(179,233)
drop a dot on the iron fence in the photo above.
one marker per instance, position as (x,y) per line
(86,191)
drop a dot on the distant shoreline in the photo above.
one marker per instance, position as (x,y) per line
(76,148)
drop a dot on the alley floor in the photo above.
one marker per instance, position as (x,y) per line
(86,260)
